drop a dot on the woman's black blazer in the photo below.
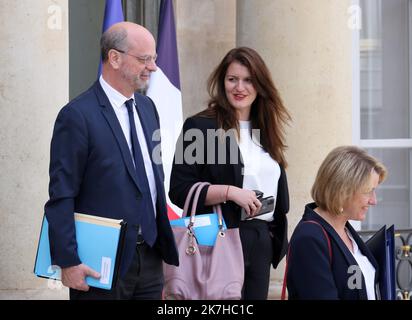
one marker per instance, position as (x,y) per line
(314,274)
(198,159)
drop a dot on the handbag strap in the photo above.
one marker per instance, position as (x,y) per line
(188,197)
(326,236)
(195,193)
(283,295)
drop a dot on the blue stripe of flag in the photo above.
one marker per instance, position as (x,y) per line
(113,13)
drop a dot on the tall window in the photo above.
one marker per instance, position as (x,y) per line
(385,115)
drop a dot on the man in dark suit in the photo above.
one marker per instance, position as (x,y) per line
(103,162)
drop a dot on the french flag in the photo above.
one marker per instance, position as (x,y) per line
(164,90)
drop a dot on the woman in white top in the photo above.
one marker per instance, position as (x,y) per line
(327,259)
(237,144)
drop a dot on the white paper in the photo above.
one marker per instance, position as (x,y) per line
(105,270)
(200,221)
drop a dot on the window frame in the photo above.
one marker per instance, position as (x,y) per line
(404,143)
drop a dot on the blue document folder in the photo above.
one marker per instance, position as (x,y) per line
(205,228)
(382,246)
(99,246)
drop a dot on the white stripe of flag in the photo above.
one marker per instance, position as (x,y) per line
(164,90)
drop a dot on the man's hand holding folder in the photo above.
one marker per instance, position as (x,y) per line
(74,277)
(99,246)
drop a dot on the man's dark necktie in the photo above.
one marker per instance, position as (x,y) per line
(147,220)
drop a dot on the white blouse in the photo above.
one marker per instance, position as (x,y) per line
(368,270)
(261,172)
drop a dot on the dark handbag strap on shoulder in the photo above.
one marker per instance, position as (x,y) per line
(283,295)
(326,236)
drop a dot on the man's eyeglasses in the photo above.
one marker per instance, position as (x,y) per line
(144,59)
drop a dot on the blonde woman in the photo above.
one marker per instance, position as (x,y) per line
(327,259)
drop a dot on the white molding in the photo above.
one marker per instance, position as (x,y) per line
(356,93)
(355,83)
(386,143)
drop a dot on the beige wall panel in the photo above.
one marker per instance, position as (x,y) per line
(33,87)
(206,31)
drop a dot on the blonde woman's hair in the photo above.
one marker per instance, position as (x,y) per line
(345,171)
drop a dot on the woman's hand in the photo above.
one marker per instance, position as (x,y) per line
(245,198)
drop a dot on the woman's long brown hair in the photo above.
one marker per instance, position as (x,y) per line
(268,114)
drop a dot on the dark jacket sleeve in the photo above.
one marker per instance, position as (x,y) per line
(279,226)
(309,274)
(68,158)
(189,165)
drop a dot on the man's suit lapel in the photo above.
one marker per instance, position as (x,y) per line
(147,129)
(148,132)
(114,124)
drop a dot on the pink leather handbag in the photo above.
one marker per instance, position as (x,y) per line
(205,272)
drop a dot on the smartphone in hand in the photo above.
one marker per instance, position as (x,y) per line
(268,205)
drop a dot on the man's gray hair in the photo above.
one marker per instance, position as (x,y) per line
(113,39)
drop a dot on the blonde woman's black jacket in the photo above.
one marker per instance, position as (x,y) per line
(315,273)
(198,158)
